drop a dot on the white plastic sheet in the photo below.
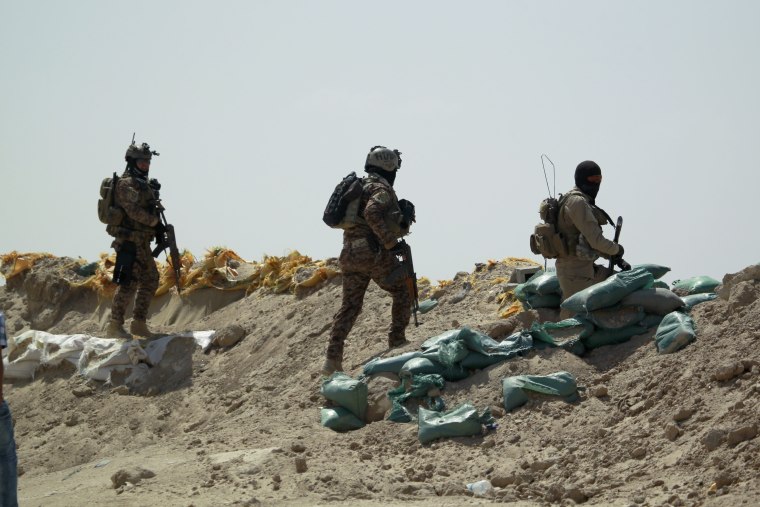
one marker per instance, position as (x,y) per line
(93,357)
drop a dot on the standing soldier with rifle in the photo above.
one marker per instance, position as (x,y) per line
(580,225)
(370,249)
(140,222)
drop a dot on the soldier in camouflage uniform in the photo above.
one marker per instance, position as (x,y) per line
(368,254)
(135,270)
(580,223)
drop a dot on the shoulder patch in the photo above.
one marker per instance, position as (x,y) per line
(381,196)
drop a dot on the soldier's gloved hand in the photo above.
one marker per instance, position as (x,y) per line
(160,230)
(621,252)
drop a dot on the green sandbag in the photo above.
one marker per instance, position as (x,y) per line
(539,301)
(651,321)
(463,421)
(398,413)
(675,332)
(424,365)
(433,341)
(511,346)
(428,305)
(654,301)
(696,285)
(659,284)
(602,337)
(557,333)
(348,393)
(340,419)
(416,387)
(485,351)
(448,352)
(542,283)
(608,292)
(561,384)
(656,270)
(389,364)
(617,317)
(695,299)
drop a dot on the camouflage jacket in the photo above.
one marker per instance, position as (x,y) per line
(577,217)
(379,208)
(138,201)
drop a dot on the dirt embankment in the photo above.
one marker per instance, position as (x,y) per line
(242,426)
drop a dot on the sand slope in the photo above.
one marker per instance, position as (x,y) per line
(649,429)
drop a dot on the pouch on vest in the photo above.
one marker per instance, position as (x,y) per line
(546,241)
(108,212)
(342,210)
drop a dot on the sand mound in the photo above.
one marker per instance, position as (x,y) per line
(240,425)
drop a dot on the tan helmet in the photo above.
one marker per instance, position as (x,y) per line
(142,152)
(383,158)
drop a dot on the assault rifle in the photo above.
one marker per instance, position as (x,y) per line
(617,260)
(410,277)
(165,238)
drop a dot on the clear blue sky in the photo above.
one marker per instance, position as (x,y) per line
(259,108)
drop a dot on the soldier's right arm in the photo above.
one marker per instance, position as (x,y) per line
(582,216)
(128,197)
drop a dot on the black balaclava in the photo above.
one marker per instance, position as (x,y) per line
(390,176)
(582,172)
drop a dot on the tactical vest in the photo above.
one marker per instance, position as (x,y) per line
(129,228)
(569,231)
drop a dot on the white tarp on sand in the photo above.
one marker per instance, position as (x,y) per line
(93,357)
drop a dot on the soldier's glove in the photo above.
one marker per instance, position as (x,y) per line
(407,210)
(621,252)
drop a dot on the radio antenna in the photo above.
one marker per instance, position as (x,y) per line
(554,174)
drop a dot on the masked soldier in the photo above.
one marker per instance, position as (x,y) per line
(369,254)
(580,223)
(135,270)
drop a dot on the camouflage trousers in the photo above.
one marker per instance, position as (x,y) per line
(360,264)
(144,281)
(576,274)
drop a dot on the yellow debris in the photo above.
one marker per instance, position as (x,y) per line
(14,263)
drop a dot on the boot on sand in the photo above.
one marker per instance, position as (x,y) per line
(140,328)
(331,365)
(116,329)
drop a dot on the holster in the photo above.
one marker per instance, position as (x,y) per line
(125,261)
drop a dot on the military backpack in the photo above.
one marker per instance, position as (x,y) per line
(108,212)
(342,210)
(546,240)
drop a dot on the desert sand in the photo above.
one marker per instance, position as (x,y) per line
(239,423)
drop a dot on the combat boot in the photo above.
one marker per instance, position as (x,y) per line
(331,365)
(394,342)
(115,329)
(140,328)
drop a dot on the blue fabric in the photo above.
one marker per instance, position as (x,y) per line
(3,337)
(8,460)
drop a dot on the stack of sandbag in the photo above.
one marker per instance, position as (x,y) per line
(349,397)
(625,305)
(452,355)
(677,328)
(540,291)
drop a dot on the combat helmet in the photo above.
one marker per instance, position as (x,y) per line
(142,152)
(383,158)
